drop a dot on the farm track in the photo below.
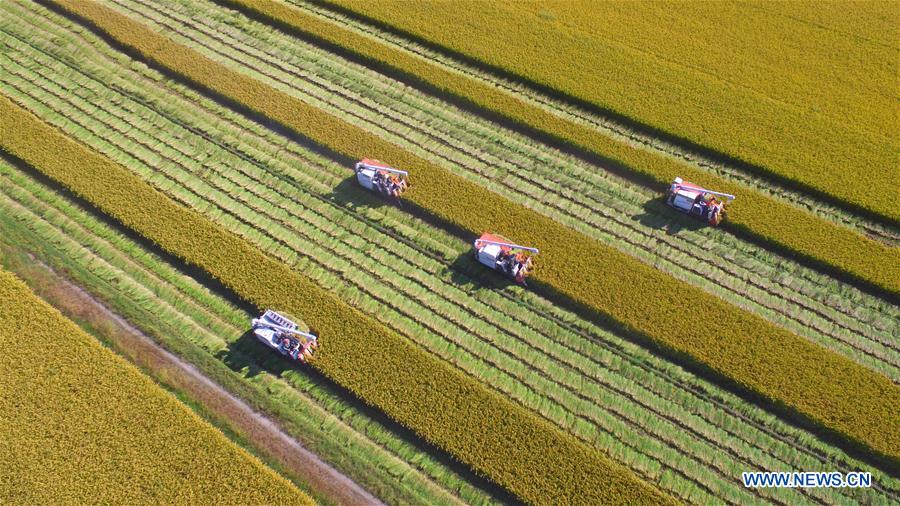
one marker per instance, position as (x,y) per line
(75,447)
(213,325)
(821,317)
(607,125)
(263,433)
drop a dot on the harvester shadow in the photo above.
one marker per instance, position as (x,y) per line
(469,275)
(350,194)
(250,358)
(662,217)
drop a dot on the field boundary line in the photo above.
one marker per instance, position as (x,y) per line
(754,222)
(759,368)
(568,104)
(404,380)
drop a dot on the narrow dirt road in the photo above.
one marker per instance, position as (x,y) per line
(262,433)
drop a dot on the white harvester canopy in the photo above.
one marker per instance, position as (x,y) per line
(280,333)
(684,199)
(381,178)
(488,254)
(697,201)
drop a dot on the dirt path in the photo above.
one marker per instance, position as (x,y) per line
(262,433)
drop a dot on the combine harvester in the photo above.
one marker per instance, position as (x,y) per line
(283,335)
(498,253)
(378,177)
(494,251)
(698,202)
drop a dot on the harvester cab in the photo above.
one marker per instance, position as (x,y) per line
(697,201)
(500,254)
(281,334)
(382,179)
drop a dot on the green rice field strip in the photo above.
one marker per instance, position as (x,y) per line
(183,315)
(607,126)
(558,187)
(273,239)
(774,223)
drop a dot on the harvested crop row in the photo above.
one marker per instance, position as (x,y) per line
(495,437)
(832,123)
(52,433)
(542,181)
(602,124)
(776,365)
(237,218)
(700,245)
(755,214)
(181,314)
(173,131)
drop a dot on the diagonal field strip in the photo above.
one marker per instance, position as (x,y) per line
(814,109)
(453,411)
(104,123)
(573,195)
(773,222)
(787,371)
(137,448)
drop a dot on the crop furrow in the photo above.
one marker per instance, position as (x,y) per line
(607,126)
(167,301)
(381,109)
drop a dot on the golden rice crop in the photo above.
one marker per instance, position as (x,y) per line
(496,437)
(804,92)
(776,222)
(81,425)
(780,367)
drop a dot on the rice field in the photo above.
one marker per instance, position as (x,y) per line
(137,449)
(768,215)
(621,404)
(770,362)
(774,89)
